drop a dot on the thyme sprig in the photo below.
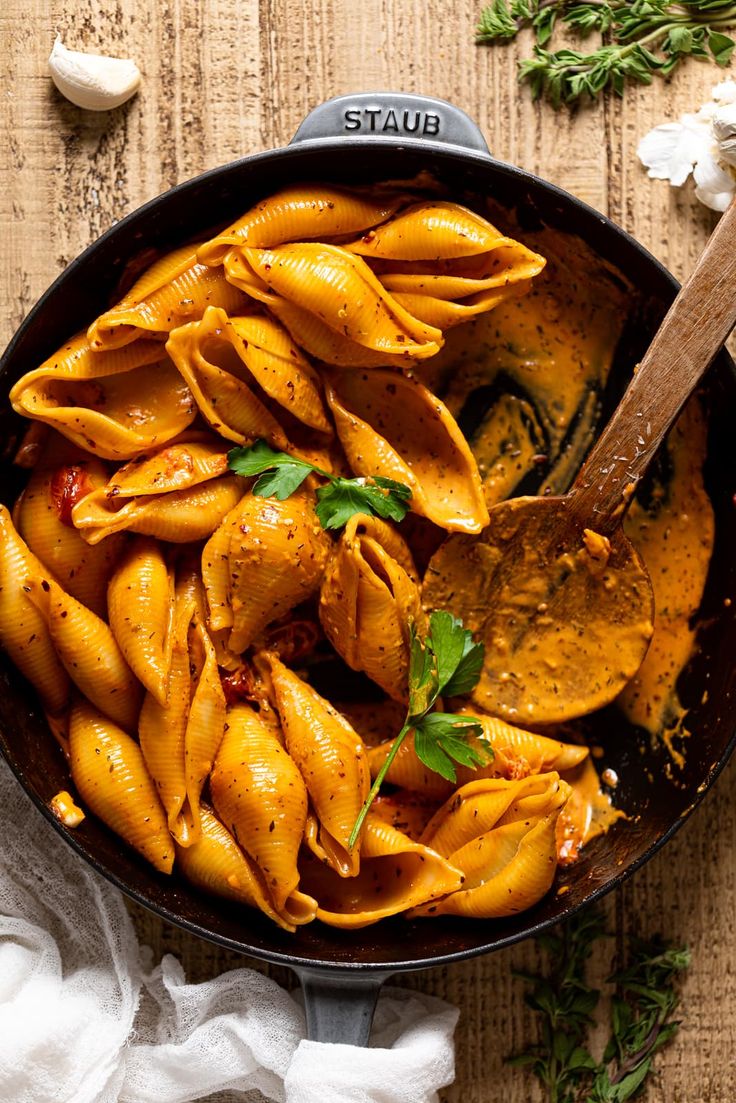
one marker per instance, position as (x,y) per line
(641,39)
(645,998)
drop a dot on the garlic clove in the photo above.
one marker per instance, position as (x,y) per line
(92,81)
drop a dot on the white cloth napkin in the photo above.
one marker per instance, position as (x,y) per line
(84,1018)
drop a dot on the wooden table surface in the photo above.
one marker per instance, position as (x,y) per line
(223,78)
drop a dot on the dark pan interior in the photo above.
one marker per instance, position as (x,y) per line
(655,803)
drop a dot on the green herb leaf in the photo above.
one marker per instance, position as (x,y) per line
(640,39)
(447,657)
(641,1016)
(441,738)
(282,474)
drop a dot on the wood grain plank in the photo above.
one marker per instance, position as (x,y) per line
(232,76)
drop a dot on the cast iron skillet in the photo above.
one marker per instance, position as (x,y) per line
(358,139)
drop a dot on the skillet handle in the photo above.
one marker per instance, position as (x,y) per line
(392,116)
(339,1006)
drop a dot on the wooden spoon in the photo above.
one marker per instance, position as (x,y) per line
(556,590)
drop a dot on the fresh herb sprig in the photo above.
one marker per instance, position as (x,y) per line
(641,38)
(646,997)
(446,662)
(281,474)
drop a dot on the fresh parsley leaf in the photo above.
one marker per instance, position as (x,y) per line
(441,738)
(281,482)
(281,474)
(258,457)
(446,658)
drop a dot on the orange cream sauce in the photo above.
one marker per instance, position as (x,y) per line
(674,532)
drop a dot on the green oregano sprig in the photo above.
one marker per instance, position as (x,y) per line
(641,39)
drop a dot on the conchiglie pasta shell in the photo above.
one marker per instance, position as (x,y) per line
(174,291)
(525,859)
(501,834)
(430,230)
(367,601)
(327,345)
(446,314)
(181,517)
(478,806)
(332,761)
(391,425)
(89,653)
(43,514)
(506,266)
(260,796)
(109,773)
(518,752)
(140,600)
(94,411)
(162,729)
(206,720)
(216,864)
(395,874)
(299,213)
(24,633)
(341,289)
(276,556)
(241,372)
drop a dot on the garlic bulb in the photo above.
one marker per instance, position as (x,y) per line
(703,144)
(92,81)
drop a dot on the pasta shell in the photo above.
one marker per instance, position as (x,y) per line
(207,715)
(296,213)
(395,874)
(445,313)
(24,633)
(260,796)
(140,601)
(89,653)
(88,397)
(174,291)
(340,289)
(180,737)
(428,231)
(501,834)
(325,344)
(517,753)
(242,372)
(43,516)
(215,863)
(109,773)
(276,553)
(332,761)
(391,425)
(175,494)
(368,599)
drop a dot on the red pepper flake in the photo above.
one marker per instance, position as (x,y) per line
(68,486)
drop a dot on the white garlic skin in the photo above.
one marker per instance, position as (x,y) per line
(93,81)
(724,128)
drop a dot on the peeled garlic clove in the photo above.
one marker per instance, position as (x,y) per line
(92,81)
(724,128)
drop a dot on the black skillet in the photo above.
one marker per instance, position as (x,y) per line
(357,139)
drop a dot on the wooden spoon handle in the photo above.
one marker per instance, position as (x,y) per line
(696,325)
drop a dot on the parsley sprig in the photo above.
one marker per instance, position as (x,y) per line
(641,38)
(281,474)
(645,1000)
(446,662)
